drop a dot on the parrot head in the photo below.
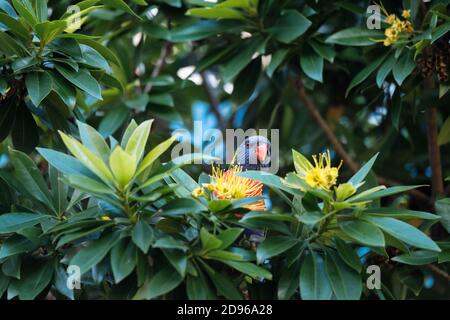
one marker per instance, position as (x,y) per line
(253,153)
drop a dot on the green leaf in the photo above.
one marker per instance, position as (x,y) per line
(348,255)
(229,236)
(404,66)
(311,217)
(142,235)
(182,206)
(250,269)
(443,210)
(444,133)
(31,178)
(121,5)
(123,166)
(154,154)
(362,173)
(314,284)
(163,282)
(291,25)
(312,64)
(34,280)
(355,36)
(177,259)
(224,285)
(385,69)
(63,162)
(88,158)
(417,258)
(92,254)
(325,51)
(440,31)
(93,140)
(273,246)
(25,132)
(104,51)
(404,232)
(216,13)
(383,193)
(93,58)
(89,185)
(7,117)
(48,30)
(365,73)
(138,139)
(209,241)
(16,221)
(197,288)
(25,11)
(11,267)
(346,282)
(83,80)
(15,27)
(363,232)
(400,213)
(16,244)
(289,282)
(123,259)
(218,205)
(275,62)
(169,243)
(63,89)
(245,54)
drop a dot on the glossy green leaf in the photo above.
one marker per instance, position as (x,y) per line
(404,232)
(291,25)
(346,282)
(123,259)
(363,232)
(314,284)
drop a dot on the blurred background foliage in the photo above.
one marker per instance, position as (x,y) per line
(240,64)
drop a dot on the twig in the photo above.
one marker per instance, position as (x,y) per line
(213,101)
(159,66)
(439,271)
(434,154)
(337,146)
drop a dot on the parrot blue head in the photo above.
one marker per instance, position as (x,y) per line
(253,153)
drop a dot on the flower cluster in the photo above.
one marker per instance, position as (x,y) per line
(226,185)
(397,26)
(321,175)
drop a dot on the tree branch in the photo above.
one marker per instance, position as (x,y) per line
(437,183)
(213,101)
(159,65)
(337,146)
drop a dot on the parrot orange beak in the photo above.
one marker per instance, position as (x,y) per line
(261,152)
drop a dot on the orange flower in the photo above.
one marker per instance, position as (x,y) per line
(227,185)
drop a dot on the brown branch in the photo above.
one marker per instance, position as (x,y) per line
(439,271)
(337,146)
(159,65)
(213,101)
(437,180)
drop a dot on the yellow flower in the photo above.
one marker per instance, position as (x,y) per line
(406,14)
(198,192)
(322,175)
(106,218)
(387,42)
(391,34)
(228,186)
(390,19)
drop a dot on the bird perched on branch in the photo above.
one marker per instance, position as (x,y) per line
(253,153)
